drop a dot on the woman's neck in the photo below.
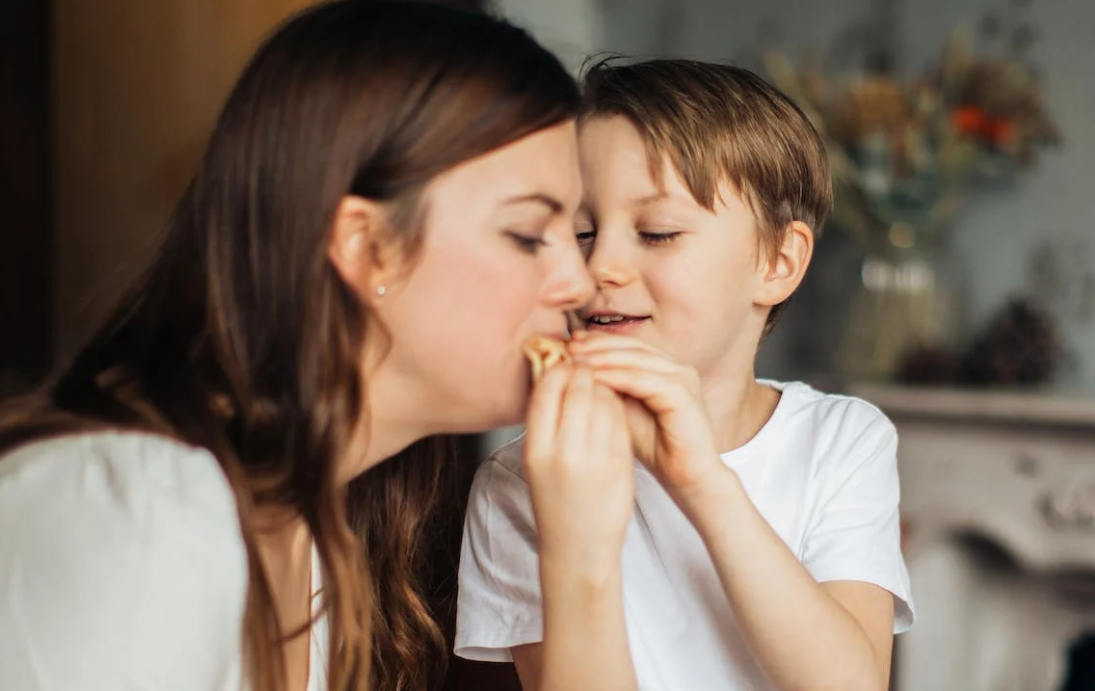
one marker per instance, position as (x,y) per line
(392,419)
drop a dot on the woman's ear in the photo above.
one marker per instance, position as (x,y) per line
(357,246)
(786,267)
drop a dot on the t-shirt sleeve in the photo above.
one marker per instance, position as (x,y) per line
(498,604)
(856,535)
(121,567)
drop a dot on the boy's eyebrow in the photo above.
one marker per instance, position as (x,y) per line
(550,202)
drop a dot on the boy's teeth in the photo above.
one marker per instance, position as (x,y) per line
(606,319)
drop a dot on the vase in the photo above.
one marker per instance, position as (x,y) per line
(906,298)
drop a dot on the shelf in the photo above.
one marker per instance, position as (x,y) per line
(1000,406)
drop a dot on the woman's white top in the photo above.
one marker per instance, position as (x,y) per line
(123,568)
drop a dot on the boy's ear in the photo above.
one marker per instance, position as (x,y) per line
(785,268)
(358,248)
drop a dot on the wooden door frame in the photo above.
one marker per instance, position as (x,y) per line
(26,200)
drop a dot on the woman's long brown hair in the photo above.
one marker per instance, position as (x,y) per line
(242,339)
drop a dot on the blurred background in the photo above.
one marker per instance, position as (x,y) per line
(954,286)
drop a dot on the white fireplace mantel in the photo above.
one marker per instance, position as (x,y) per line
(1017,470)
(1006,406)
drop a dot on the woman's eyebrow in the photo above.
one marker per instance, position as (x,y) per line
(550,202)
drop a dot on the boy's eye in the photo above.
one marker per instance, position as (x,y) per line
(659,237)
(527,243)
(585,236)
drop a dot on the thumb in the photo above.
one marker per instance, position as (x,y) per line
(642,426)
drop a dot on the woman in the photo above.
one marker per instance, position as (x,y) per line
(382,218)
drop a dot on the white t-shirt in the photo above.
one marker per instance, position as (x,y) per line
(122,566)
(822,471)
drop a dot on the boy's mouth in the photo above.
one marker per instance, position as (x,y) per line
(613,322)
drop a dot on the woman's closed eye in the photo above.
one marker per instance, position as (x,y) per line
(527,242)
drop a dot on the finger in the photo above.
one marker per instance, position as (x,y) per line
(576,413)
(545,406)
(595,341)
(629,358)
(657,391)
(620,442)
(604,422)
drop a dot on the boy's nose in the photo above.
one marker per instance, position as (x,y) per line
(609,267)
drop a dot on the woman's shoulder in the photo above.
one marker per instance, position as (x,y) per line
(149,527)
(150,482)
(124,468)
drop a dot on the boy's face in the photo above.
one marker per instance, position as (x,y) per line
(668,271)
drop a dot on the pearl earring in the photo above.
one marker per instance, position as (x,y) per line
(381,291)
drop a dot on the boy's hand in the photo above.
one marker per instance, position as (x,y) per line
(670,428)
(580,468)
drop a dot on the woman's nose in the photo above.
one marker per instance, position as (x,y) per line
(571,287)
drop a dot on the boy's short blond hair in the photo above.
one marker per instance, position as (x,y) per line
(717,123)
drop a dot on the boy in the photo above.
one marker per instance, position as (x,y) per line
(764,552)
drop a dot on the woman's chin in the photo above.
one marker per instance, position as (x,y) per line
(513,414)
(496,415)
(496,404)
(513,410)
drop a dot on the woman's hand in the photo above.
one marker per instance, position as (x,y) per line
(669,425)
(580,465)
(580,470)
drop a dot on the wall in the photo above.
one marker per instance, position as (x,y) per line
(570,28)
(995,239)
(137,86)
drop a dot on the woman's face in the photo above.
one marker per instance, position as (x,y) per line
(499,263)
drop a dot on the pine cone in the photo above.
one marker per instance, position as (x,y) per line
(927,365)
(1020,347)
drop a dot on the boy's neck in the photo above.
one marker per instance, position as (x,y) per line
(739,407)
